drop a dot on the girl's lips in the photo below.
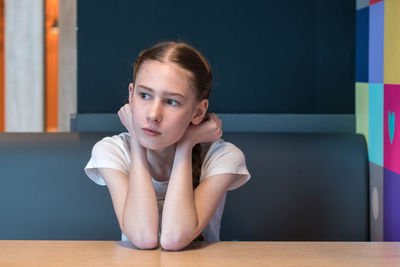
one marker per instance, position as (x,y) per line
(150,132)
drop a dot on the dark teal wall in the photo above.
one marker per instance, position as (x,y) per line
(266,56)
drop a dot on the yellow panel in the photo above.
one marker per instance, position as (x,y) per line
(362,107)
(392,42)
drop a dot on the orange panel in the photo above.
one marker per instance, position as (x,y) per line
(51,65)
(2,85)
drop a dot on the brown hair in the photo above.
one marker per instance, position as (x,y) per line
(188,58)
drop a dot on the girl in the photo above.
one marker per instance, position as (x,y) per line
(169,174)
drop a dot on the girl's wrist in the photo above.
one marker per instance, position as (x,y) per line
(185,145)
(136,147)
(139,154)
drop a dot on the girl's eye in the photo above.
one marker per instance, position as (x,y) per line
(144,95)
(172,102)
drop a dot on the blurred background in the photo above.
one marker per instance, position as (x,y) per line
(66,57)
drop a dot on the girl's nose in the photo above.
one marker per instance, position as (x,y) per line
(155,113)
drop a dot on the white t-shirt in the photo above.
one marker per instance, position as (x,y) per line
(220,157)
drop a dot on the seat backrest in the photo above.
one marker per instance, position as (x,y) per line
(312,187)
(303,187)
(46,195)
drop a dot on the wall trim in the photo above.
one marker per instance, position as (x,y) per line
(318,123)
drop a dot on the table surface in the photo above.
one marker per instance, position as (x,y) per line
(111,253)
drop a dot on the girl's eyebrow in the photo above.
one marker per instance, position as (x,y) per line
(163,92)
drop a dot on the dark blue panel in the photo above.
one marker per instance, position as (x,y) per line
(262,53)
(335,49)
(362,37)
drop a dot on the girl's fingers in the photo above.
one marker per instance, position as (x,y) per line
(125,116)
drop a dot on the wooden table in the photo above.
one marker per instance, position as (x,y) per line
(109,253)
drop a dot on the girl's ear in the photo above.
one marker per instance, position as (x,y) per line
(200,112)
(131,86)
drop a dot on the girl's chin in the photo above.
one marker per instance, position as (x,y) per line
(155,145)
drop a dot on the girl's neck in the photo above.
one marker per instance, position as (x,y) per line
(161,162)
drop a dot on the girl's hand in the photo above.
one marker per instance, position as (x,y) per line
(125,116)
(209,130)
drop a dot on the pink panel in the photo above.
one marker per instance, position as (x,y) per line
(371,2)
(391,127)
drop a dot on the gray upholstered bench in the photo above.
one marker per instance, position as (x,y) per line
(303,187)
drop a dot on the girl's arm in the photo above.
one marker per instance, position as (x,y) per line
(143,234)
(140,215)
(187,213)
(133,195)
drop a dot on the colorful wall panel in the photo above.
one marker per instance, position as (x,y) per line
(392,42)
(375,124)
(378,22)
(362,110)
(362,28)
(375,51)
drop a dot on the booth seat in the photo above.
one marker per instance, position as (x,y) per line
(304,187)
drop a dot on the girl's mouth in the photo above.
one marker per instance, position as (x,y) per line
(150,132)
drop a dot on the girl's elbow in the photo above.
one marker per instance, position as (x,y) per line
(146,244)
(175,243)
(142,240)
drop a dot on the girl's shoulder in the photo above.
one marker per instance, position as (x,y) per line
(218,147)
(118,144)
(121,140)
(224,157)
(110,152)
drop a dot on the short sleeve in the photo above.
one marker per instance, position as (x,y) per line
(109,152)
(224,157)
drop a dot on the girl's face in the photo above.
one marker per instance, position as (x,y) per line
(163,104)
